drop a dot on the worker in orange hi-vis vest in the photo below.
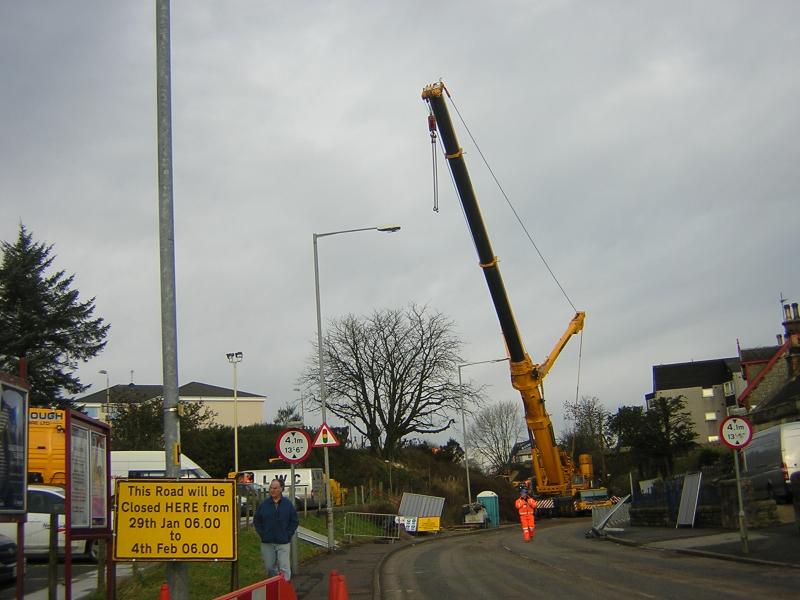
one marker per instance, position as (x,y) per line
(525,506)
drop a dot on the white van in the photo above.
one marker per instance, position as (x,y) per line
(309,483)
(771,458)
(144,464)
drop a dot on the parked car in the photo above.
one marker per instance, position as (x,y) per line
(8,557)
(42,501)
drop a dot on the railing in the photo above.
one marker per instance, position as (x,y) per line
(372,525)
(621,516)
(274,588)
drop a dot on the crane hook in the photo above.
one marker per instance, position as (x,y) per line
(432,129)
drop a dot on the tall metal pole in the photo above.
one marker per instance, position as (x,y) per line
(235,358)
(108,390)
(323,403)
(235,420)
(742,517)
(464,419)
(177,573)
(464,433)
(322,390)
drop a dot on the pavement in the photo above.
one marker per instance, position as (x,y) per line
(776,546)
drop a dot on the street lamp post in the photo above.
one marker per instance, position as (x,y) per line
(235,358)
(302,406)
(108,390)
(322,390)
(464,419)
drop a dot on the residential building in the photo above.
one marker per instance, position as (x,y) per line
(709,387)
(773,394)
(764,372)
(220,400)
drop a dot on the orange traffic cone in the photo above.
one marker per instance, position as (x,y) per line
(337,587)
(164,593)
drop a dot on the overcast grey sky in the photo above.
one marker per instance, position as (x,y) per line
(651,148)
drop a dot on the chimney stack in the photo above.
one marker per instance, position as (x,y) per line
(792,332)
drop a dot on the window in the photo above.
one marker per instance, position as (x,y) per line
(708,392)
(45,502)
(727,388)
(713,438)
(711,416)
(92,411)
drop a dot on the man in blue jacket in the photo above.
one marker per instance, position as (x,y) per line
(276,521)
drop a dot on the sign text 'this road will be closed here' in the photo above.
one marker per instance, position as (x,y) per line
(183,520)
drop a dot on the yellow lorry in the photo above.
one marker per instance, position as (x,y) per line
(47,446)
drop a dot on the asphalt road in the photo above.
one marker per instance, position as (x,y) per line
(562,563)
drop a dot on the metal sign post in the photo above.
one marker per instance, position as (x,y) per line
(293,446)
(736,433)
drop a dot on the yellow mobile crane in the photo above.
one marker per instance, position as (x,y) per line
(555,472)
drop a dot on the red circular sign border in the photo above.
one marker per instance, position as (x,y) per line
(286,458)
(749,437)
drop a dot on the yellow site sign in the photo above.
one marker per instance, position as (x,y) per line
(175,519)
(428,524)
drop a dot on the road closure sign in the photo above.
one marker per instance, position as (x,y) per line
(175,519)
(735,432)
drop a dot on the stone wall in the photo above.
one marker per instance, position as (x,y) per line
(725,515)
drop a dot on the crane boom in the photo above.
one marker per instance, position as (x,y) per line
(553,468)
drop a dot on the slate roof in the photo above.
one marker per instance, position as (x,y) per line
(701,373)
(139,393)
(760,354)
(790,392)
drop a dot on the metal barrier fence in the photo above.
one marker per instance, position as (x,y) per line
(274,588)
(374,525)
(622,515)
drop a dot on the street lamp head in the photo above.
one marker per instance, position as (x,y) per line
(234,357)
(103,372)
(389,228)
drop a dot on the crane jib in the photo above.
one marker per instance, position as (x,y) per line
(488,261)
(555,472)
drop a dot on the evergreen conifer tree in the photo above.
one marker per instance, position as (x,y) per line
(43,321)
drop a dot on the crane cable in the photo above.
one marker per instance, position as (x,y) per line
(508,201)
(516,215)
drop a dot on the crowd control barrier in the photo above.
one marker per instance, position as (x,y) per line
(274,588)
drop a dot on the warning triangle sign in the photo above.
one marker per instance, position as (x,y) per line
(325,437)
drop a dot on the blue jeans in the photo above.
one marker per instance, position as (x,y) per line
(276,559)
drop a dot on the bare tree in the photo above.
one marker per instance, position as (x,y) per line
(494,432)
(586,433)
(391,374)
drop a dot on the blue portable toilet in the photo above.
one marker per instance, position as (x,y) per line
(491,503)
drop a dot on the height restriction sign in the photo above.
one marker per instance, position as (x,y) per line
(735,432)
(293,445)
